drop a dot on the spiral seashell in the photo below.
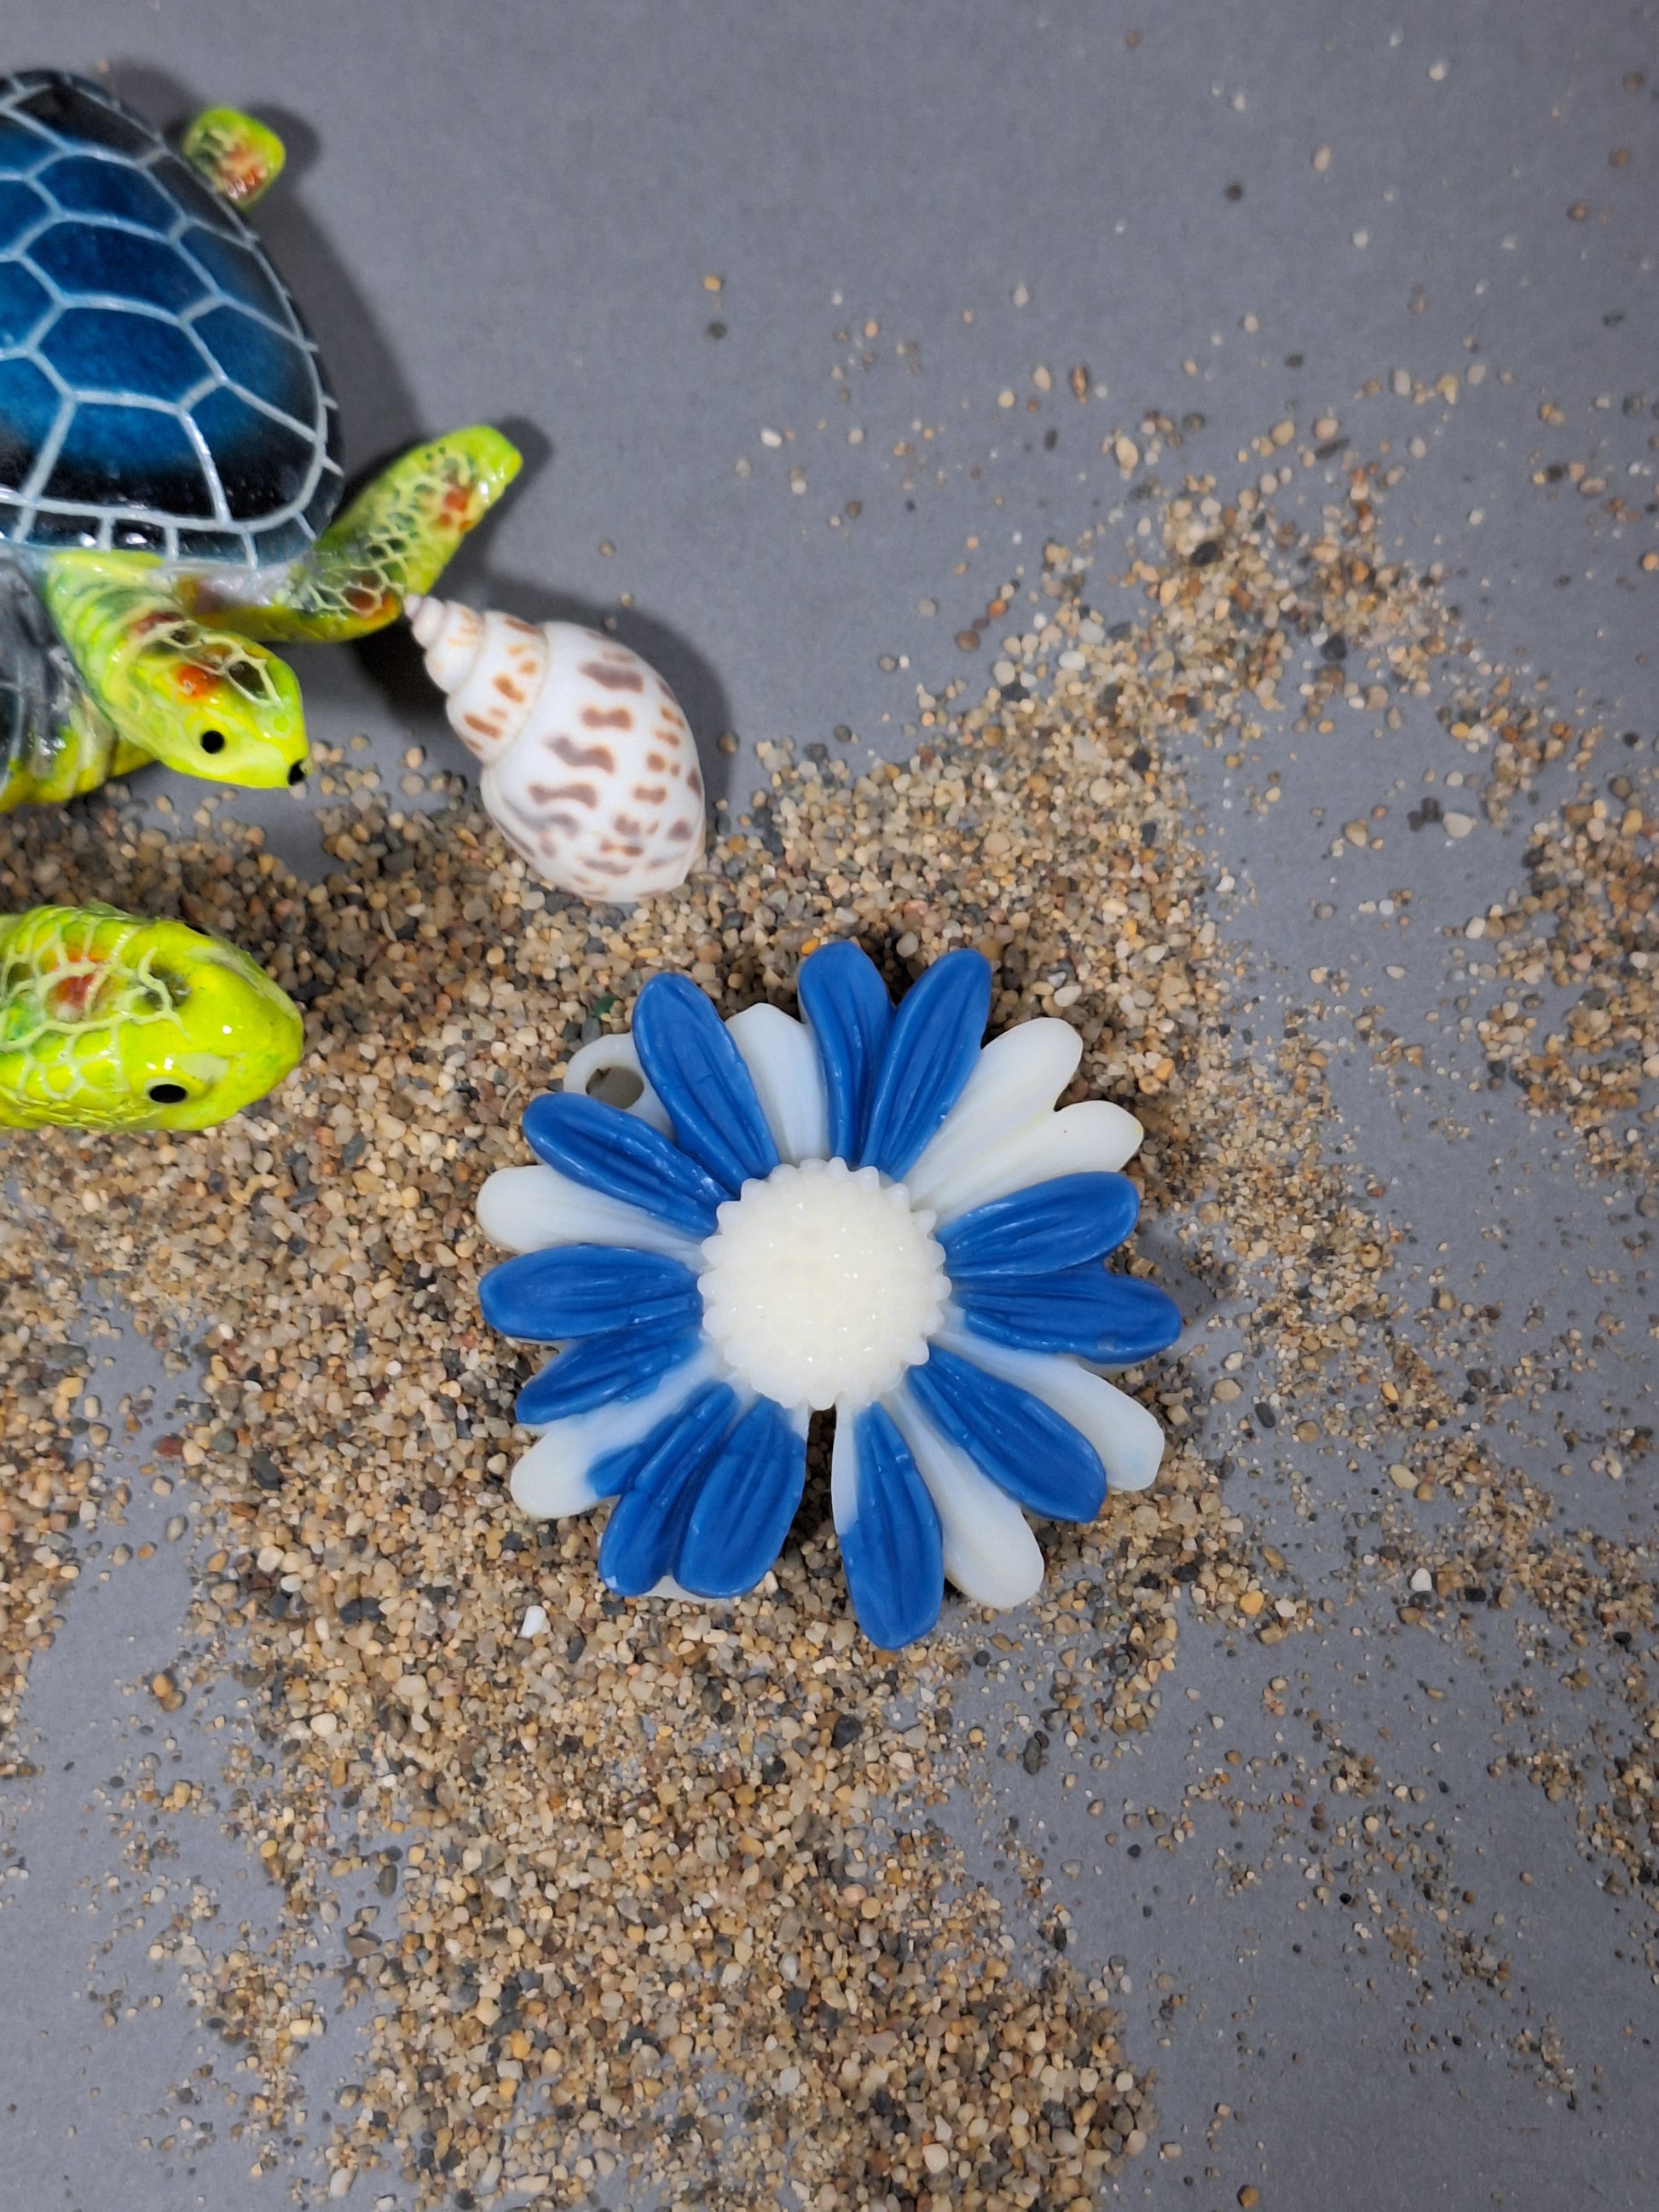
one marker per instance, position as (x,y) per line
(590,770)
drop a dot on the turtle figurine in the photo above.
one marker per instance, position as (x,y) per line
(168,470)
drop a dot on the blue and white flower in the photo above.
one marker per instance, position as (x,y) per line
(867,1210)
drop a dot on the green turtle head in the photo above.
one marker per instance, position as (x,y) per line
(110,1022)
(211,704)
(219,1034)
(178,686)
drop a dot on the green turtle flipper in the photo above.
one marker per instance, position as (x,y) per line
(395,538)
(110,1022)
(54,741)
(241,158)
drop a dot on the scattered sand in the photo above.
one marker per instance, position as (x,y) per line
(662,1886)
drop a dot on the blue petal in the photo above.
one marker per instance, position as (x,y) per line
(892,1549)
(1022,1444)
(849,1014)
(659,1479)
(1113,1319)
(605,1148)
(699,1074)
(929,1056)
(606,1371)
(742,1511)
(585,1289)
(1046,1226)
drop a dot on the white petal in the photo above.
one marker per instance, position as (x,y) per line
(587,1069)
(1129,1439)
(1085,1139)
(1017,1078)
(844,1470)
(783,1064)
(551,1479)
(990,1553)
(669,1588)
(524,1209)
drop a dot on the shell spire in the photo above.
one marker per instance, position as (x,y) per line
(491,666)
(589,767)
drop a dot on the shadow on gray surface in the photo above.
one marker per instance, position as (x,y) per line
(363,367)
(375,399)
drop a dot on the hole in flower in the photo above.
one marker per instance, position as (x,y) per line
(621,1087)
(821,1286)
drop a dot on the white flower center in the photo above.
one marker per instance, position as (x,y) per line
(821,1286)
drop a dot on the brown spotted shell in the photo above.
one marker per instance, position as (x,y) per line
(590,770)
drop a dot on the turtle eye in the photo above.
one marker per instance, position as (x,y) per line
(213,741)
(168,1094)
(297,773)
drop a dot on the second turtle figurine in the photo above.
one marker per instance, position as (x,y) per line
(110,1022)
(168,466)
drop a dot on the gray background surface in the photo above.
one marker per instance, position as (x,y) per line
(506,211)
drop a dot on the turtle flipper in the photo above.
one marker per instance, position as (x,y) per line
(239,158)
(54,742)
(395,538)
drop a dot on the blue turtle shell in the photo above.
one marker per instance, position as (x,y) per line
(158,390)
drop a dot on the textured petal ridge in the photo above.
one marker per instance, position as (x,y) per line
(1112,1321)
(557,1475)
(889,1530)
(697,1072)
(606,1150)
(1128,1439)
(658,1480)
(585,1289)
(849,1013)
(605,1370)
(990,1552)
(930,1052)
(742,1513)
(1013,1436)
(1042,1229)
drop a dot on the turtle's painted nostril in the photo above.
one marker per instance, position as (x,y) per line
(168,1094)
(297,773)
(213,741)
